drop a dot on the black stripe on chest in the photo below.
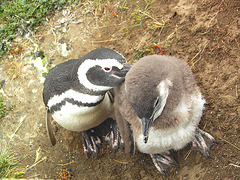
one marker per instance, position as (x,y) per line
(58,106)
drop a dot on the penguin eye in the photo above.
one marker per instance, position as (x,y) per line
(107,69)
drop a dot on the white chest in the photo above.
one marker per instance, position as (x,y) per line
(79,118)
(162,140)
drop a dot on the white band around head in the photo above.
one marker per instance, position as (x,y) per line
(89,63)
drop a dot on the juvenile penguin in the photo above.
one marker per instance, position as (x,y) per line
(163,105)
(76,94)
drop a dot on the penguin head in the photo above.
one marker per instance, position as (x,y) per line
(102,69)
(147,90)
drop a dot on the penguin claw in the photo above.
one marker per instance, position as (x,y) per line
(203,141)
(91,143)
(114,137)
(164,161)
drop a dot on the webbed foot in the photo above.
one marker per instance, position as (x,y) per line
(164,161)
(203,142)
(114,137)
(91,143)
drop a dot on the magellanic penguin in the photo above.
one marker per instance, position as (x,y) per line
(163,105)
(76,93)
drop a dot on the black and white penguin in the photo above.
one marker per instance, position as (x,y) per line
(163,105)
(76,93)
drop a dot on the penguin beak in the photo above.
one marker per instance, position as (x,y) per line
(146,123)
(122,72)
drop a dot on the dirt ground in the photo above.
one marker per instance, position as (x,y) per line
(205,34)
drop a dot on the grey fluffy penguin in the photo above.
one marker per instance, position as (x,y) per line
(77,94)
(159,107)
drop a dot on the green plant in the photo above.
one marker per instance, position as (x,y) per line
(19,17)
(140,14)
(154,48)
(3,108)
(122,5)
(8,164)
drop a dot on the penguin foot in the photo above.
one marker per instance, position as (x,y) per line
(114,137)
(203,142)
(164,161)
(91,143)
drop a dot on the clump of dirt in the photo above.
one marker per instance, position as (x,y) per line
(205,34)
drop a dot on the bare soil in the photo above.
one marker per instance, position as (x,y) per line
(205,34)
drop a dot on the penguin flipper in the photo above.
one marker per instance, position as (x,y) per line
(164,161)
(91,143)
(203,142)
(114,137)
(126,132)
(49,128)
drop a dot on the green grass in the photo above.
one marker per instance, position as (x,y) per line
(8,161)
(19,17)
(3,108)
(138,15)
(153,48)
(8,164)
